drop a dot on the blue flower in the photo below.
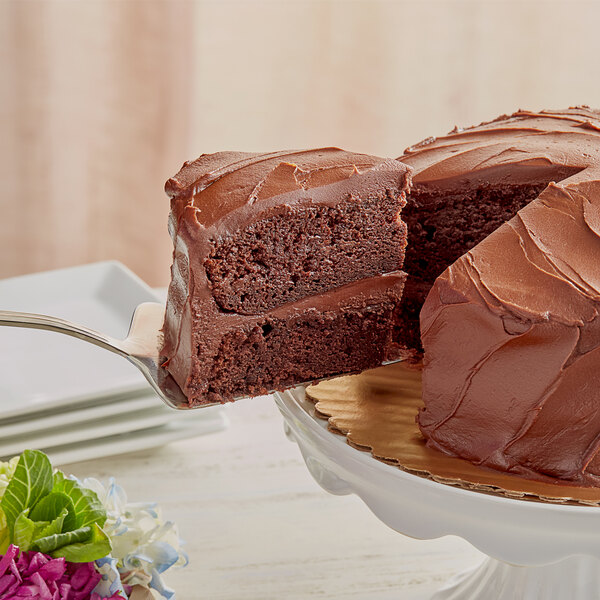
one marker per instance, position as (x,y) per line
(144,545)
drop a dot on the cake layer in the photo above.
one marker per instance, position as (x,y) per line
(345,330)
(446,222)
(307,250)
(511,330)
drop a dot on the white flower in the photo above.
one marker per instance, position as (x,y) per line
(143,544)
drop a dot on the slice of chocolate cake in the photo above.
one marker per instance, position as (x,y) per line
(286,269)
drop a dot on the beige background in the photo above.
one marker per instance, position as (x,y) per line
(100,102)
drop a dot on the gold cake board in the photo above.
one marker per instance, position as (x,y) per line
(376,412)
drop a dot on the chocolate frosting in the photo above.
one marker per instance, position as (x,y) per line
(522,148)
(218,185)
(511,330)
(217,195)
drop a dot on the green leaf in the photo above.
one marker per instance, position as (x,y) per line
(58,540)
(52,505)
(4,533)
(55,527)
(98,546)
(39,527)
(24,531)
(31,481)
(87,506)
(7,470)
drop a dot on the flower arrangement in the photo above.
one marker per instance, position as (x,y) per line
(65,539)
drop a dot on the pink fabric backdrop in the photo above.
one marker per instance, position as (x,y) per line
(95,113)
(102,100)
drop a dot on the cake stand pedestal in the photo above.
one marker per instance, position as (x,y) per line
(537,551)
(577,577)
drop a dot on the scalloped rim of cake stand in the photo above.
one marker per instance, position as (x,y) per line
(519,532)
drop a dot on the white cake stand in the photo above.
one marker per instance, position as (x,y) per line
(536,551)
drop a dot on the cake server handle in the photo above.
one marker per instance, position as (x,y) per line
(34,321)
(141,347)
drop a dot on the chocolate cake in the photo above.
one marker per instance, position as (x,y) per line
(511,329)
(287,268)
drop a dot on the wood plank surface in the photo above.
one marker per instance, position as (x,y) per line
(258,527)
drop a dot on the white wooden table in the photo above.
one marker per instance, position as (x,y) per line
(258,527)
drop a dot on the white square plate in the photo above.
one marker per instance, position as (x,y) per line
(188,425)
(41,370)
(132,429)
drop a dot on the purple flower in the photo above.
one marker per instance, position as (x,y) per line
(33,575)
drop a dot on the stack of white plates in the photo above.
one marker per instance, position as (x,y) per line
(69,398)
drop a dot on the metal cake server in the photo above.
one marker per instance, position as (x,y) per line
(141,346)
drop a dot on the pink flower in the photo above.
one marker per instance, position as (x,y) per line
(33,575)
